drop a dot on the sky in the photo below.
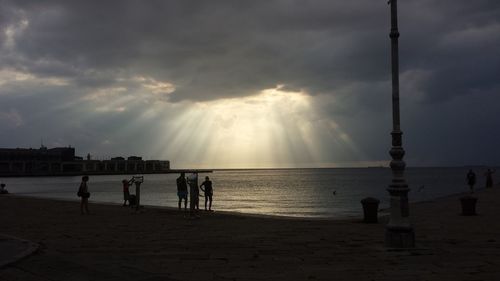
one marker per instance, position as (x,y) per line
(251,84)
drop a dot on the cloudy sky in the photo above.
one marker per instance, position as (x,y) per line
(232,84)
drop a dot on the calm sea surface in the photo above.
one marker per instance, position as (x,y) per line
(288,192)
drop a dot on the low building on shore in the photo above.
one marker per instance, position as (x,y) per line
(63,161)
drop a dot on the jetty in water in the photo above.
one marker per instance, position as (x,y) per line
(62,161)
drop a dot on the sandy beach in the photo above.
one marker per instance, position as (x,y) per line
(116,243)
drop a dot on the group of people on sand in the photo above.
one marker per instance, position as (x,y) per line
(194,193)
(182,193)
(471,179)
(84,194)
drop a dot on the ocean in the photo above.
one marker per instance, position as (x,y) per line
(320,193)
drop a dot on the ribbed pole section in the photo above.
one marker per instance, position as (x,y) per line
(399,231)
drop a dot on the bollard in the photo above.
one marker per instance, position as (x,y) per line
(370,209)
(468,205)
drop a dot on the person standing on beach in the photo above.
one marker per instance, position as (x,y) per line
(471,180)
(126,191)
(84,194)
(2,189)
(194,194)
(182,190)
(489,178)
(206,187)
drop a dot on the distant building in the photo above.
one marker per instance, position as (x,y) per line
(62,161)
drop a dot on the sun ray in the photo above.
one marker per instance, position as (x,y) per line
(274,128)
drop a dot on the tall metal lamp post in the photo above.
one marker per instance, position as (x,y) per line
(399,232)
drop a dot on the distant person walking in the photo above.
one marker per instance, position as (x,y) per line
(471,180)
(489,178)
(182,190)
(2,189)
(126,191)
(206,187)
(84,194)
(194,194)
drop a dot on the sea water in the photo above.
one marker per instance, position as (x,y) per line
(284,192)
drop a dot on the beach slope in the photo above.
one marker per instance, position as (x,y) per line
(116,243)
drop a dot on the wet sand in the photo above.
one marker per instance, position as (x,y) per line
(116,243)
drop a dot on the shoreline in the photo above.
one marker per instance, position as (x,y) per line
(175,209)
(382,211)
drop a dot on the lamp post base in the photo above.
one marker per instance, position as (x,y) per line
(399,237)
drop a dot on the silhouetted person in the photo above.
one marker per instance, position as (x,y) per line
(126,191)
(182,190)
(471,180)
(489,178)
(206,187)
(2,189)
(84,194)
(194,194)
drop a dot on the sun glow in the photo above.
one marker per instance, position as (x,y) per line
(274,128)
(271,129)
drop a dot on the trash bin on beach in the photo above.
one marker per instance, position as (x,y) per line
(468,205)
(370,209)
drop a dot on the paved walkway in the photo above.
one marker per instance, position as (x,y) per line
(14,249)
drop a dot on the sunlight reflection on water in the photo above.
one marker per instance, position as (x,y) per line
(293,192)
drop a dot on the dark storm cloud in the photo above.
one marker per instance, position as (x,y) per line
(454,42)
(336,51)
(207,50)
(226,48)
